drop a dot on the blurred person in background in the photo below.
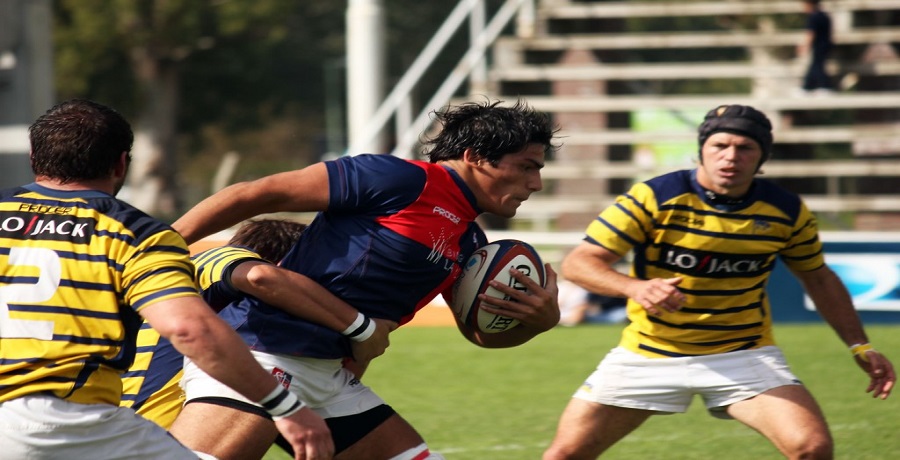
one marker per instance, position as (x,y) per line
(816,47)
(577,306)
(705,242)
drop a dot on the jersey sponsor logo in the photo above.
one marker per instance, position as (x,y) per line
(283,378)
(442,250)
(687,219)
(22,226)
(44,209)
(447,214)
(703,263)
(761,226)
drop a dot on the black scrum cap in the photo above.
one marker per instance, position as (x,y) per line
(738,119)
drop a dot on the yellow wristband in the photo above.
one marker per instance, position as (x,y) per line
(860,350)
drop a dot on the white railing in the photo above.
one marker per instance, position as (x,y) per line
(481,36)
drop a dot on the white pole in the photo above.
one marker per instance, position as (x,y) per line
(365,71)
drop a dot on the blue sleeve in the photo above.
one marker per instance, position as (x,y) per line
(379,184)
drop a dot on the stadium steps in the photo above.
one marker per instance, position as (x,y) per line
(583,67)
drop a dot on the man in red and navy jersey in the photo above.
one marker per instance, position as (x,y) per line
(390,235)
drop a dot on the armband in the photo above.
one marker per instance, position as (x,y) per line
(281,403)
(860,350)
(361,329)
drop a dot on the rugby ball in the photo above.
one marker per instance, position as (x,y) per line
(492,262)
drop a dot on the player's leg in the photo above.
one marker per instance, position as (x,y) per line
(758,388)
(791,419)
(587,429)
(389,440)
(624,390)
(224,432)
(218,421)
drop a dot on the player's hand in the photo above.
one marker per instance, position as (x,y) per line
(881,373)
(308,435)
(375,345)
(537,307)
(658,295)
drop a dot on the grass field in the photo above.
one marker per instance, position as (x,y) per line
(470,403)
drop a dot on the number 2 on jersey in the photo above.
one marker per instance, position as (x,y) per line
(50,272)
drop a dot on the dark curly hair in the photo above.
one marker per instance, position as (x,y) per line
(79,140)
(270,238)
(490,130)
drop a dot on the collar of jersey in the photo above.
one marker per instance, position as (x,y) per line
(56,193)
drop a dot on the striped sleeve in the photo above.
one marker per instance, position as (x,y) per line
(161,269)
(804,249)
(625,224)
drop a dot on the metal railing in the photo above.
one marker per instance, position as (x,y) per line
(470,65)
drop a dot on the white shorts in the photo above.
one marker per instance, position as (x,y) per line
(323,384)
(46,427)
(627,379)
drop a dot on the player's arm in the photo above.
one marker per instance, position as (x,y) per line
(592,267)
(835,305)
(304,298)
(303,190)
(196,331)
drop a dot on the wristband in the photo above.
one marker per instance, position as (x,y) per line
(281,403)
(361,329)
(860,350)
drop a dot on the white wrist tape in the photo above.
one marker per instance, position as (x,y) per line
(281,403)
(361,329)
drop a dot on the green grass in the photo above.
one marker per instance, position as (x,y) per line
(472,403)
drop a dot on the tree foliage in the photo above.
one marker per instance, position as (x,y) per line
(175,67)
(202,77)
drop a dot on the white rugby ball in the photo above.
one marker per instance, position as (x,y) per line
(492,262)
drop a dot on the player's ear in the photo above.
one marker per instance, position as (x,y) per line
(472,157)
(120,170)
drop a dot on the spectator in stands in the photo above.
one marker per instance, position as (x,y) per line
(705,242)
(817,45)
(577,306)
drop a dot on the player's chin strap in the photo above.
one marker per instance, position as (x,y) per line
(419,452)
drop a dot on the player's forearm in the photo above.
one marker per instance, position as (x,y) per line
(296,294)
(834,305)
(599,278)
(592,268)
(216,349)
(218,212)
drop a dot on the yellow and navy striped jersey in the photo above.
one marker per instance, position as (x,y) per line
(724,252)
(213,270)
(75,268)
(151,386)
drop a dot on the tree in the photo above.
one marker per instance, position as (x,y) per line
(203,77)
(134,54)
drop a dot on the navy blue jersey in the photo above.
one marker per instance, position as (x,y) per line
(393,237)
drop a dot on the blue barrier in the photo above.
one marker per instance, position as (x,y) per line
(867,263)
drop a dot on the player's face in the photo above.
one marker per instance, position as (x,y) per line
(730,162)
(511,182)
